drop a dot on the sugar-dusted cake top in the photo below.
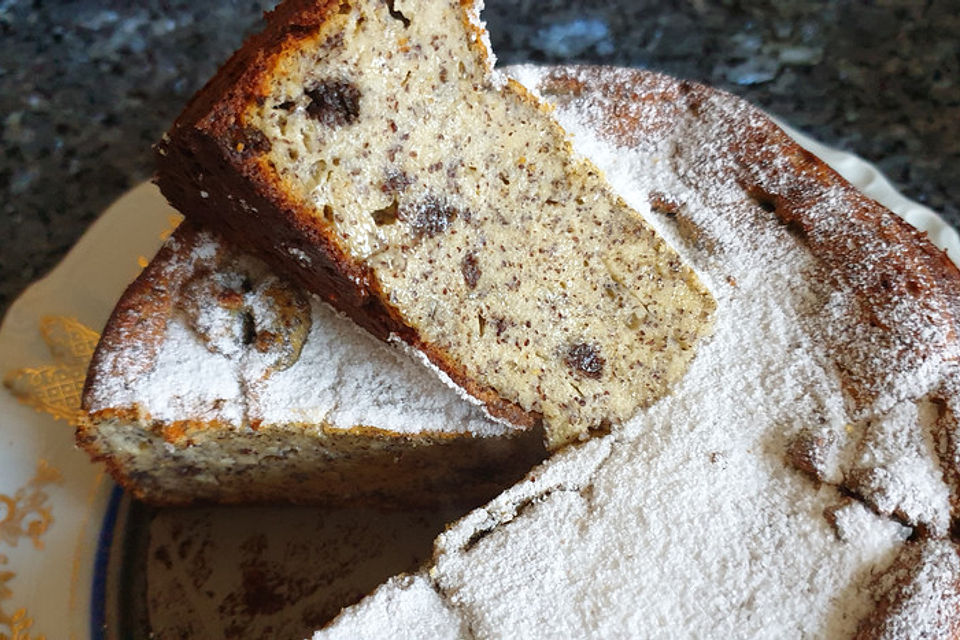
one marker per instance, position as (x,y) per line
(209,335)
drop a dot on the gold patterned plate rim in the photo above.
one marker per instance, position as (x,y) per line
(52,499)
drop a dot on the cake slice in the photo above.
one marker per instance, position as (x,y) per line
(216,381)
(367,150)
(799,482)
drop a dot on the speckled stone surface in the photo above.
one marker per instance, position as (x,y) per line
(86,87)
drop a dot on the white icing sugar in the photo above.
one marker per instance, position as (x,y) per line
(408,606)
(169,398)
(440,374)
(692,520)
(346,378)
(923,593)
(206,250)
(895,467)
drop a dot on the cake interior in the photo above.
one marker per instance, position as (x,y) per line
(511,260)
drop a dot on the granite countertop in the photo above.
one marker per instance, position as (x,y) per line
(86,87)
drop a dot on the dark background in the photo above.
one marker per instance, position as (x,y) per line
(86,87)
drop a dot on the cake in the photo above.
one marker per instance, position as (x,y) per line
(367,151)
(217,382)
(799,482)
(785,462)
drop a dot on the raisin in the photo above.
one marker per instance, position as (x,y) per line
(585,358)
(428,217)
(766,203)
(249,329)
(471,270)
(249,140)
(396,182)
(396,15)
(387,215)
(334,103)
(796,229)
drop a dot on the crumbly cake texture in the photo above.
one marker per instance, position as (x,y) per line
(216,381)
(368,150)
(800,481)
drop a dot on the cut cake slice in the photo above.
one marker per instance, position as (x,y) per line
(367,150)
(216,381)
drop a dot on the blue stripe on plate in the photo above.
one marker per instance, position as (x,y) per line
(98,592)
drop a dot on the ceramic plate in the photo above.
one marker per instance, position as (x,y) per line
(78,560)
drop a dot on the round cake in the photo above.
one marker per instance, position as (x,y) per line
(801,480)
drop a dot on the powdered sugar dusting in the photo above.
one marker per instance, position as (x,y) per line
(894,466)
(346,378)
(408,606)
(920,596)
(163,397)
(874,324)
(149,341)
(421,357)
(704,466)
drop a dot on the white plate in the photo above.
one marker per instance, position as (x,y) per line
(47,580)
(54,580)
